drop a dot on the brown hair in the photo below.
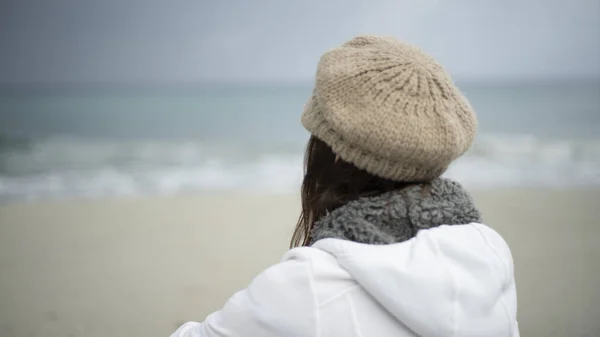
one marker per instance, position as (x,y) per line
(329,182)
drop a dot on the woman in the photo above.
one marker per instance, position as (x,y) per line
(388,248)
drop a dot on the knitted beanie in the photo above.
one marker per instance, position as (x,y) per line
(389,109)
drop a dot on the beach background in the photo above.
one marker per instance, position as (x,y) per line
(141,188)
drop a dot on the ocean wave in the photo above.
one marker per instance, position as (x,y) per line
(73,168)
(509,160)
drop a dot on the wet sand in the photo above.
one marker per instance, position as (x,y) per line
(141,267)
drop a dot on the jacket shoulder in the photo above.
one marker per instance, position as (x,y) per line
(328,278)
(280,301)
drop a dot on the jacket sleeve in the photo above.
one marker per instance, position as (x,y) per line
(279,302)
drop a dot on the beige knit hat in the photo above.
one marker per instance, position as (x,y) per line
(390,109)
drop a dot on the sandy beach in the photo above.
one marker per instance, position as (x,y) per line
(141,267)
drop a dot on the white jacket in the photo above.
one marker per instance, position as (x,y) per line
(448,281)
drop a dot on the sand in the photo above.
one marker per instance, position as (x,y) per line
(141,267)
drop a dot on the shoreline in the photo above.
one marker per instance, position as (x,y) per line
(248,193)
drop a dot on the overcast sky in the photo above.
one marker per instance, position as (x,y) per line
(141,41)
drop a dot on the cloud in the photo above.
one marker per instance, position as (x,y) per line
(270,40)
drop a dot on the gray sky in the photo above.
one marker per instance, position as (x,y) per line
(139,41)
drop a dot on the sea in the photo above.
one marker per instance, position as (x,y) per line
(122,141)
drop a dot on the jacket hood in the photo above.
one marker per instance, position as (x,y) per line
(445,281)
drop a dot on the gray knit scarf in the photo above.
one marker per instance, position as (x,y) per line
(397,216)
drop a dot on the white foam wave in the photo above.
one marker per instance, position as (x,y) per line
(528,161)
(76,168)
(267,174)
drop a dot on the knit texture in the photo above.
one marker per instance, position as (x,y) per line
(390,109)
(397,216)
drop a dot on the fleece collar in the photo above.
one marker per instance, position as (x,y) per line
(397,216)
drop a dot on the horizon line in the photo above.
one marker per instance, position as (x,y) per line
(262,83)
